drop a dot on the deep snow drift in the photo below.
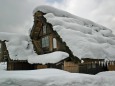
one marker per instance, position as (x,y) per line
(85,38)
(55,77)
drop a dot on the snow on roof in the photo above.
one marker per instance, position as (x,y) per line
(85,38)
(20,47)
(48,58)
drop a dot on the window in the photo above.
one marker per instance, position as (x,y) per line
(88,66)
(45,41)
(0,47)
(44,29)
(54,43)
(93,65)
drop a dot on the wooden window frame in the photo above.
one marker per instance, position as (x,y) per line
(45,42)
(0,47)
(44,29)
(54,44)
(93,65)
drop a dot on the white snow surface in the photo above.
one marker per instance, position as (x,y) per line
(85,38)
(48,58)
(107,73)
(19,45)
(54,77)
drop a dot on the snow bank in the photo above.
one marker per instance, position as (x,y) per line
(52,77)
(106,74)
(85,38)
(48,58)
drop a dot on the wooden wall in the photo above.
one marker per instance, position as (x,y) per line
(0,56)
(4,55)
(37,35)
(14,65)
(91,68)
(40,66)
(111,65)
(88,67)
(1,51)
(50,65)
(71,67)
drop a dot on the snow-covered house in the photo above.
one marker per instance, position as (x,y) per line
(0,53)
(61,40)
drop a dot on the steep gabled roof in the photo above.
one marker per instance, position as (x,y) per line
(85,38)
(20,47)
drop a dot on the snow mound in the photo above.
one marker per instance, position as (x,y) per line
(52,77)
(48,58)
(85,38)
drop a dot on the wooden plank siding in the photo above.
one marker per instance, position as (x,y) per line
(38,17)
(71,66)
(91,68)
(1,51)
(111,65)
(40,66)
(15,65)
(4,52)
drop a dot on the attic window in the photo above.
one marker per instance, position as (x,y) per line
(88,66)
(45,41)
(44,29)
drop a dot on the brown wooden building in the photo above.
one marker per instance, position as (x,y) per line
(46,40)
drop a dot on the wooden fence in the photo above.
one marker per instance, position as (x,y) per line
(96,67)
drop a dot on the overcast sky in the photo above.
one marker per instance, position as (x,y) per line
(16,15)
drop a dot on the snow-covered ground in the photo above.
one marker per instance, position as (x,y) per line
(54,77)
